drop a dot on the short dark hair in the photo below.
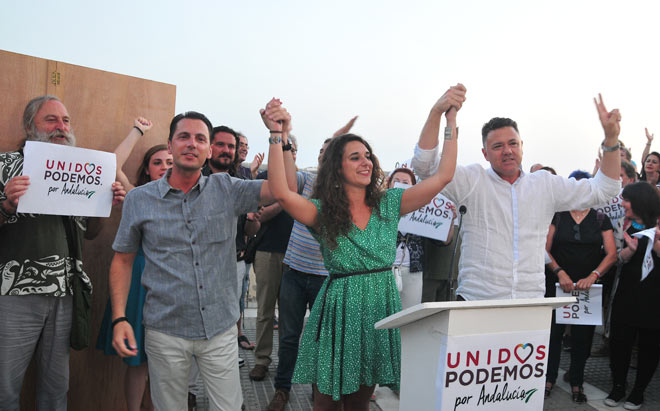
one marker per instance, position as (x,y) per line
(224,129)
(629,169)
(549,170)
(644,201)
(579,175)
(233,168)
(191,115)
(496,123)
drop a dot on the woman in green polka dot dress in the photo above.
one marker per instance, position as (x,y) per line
(356,222)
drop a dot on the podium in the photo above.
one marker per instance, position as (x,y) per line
(474,355)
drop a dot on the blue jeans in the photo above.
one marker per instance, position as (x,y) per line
(298,292)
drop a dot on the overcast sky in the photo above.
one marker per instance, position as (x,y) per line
(540,63)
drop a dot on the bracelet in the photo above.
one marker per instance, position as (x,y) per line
(607,149)
(275,132)
(139,129)
(287,147)
(4,212)
(275,140)
(556,270)
(118,320)
(448,133)
(596,272)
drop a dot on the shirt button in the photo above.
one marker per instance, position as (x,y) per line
(185,201)
(193,242)
(197,263)
(202,308)
(188,221)
(201,286)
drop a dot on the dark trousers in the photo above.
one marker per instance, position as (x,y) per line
(622,339)
(581,338)
(298,292)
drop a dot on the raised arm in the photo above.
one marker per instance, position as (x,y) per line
(297,206)
(346,128)
(610,120)
(278,122)
(647,147)
(454,97)
(140,126)
(424,191)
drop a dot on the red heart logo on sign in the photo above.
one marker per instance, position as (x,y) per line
(438,202)
(523,348)
(89,168)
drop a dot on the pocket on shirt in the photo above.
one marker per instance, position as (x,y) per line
(216,228)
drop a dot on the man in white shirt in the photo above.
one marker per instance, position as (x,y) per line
(509,211)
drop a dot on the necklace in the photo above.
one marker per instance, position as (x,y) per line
(578,216)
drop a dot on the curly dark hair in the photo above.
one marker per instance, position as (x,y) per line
(335,217)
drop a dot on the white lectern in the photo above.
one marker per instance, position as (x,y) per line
(474,355)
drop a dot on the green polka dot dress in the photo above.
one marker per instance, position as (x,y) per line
(347,351)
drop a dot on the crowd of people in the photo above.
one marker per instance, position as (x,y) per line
(197,218)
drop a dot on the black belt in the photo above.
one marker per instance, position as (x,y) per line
(334,276)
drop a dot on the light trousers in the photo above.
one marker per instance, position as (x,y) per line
(170,359)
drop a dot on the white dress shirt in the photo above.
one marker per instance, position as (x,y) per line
(505,227)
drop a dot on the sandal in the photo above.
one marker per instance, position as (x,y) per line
(578,396)
(244,343)
(548,389)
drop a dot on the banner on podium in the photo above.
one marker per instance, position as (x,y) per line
(587,310)
(493,372)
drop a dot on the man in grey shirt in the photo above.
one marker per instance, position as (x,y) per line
(186,225)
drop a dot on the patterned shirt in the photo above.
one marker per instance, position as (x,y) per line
(35,257)
(190,251)
(303,252)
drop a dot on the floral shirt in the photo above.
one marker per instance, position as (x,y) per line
(36,257)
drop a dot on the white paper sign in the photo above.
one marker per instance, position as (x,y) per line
(588,310)
(432,221)
(493,372)
(647,266)
(67,180)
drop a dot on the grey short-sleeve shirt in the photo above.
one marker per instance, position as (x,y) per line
(190,252)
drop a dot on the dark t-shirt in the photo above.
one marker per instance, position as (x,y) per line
(577,247)
(276,237)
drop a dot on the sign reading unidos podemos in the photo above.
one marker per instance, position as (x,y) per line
(67,180)
(493,372)
(432,220)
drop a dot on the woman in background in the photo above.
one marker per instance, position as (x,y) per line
(155,163)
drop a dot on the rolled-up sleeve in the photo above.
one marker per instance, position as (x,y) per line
(425,162)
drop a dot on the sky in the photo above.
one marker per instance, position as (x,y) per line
(540,63)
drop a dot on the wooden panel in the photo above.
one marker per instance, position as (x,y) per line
(102,107)
(21,79)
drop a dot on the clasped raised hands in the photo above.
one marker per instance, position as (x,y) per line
(453,98)
(275,116)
